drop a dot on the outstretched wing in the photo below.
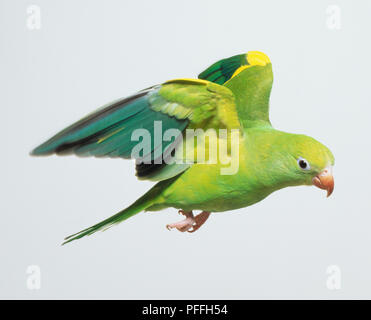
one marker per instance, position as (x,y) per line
(176,104)
(249,76)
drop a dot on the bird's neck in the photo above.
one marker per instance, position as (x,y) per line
(263,153)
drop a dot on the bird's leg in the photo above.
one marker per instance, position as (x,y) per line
(185,224)
(200,219)
(190,222)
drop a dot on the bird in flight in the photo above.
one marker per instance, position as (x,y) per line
(231,95)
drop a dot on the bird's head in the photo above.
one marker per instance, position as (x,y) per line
(307,162)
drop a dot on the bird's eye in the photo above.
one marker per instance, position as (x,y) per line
(303,164)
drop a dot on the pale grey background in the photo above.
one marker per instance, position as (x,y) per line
(88,53)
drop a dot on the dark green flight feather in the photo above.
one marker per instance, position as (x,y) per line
(221,71)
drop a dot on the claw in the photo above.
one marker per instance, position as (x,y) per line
(185,224)
(190,223)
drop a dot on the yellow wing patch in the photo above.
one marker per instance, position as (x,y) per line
(254,58)
(257,58)
(189,81)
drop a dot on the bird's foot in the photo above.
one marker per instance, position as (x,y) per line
(191,223)
(200,220)
(185,224)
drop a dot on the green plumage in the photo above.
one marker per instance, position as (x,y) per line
(233,93)
(142,203)
(221,71)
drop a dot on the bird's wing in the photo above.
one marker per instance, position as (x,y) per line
(223,70)
(176,104)
(250,76)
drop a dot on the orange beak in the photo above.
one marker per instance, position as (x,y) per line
(325,180)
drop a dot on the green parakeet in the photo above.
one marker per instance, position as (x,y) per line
(232,94)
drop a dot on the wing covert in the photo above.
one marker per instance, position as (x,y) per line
(249,76)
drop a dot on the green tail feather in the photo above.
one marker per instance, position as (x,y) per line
(105,224)
(143,203)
